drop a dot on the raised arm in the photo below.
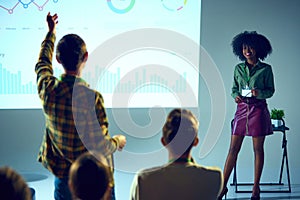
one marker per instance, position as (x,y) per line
(52,20)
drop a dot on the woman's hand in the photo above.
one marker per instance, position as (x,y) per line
(254,92)
(238,99)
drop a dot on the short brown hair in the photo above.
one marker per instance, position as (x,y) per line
(180,130)
(70,51)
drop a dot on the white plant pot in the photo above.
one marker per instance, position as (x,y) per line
(276,122)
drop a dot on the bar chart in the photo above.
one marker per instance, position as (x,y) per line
(11,83)
(107,82)
(138,81)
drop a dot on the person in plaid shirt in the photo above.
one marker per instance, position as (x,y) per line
(75,115)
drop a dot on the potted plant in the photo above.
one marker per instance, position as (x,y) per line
(276,117)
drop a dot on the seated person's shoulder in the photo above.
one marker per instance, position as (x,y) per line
(209,169)
(150,171)
(199,171)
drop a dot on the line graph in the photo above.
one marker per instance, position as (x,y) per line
(11,9)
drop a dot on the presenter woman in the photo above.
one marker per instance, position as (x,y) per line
(253,83)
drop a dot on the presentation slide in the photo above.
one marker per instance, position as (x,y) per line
(142,53)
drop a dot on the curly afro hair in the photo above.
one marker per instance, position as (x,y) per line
(257,41)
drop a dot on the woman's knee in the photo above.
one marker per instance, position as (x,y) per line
(233,150)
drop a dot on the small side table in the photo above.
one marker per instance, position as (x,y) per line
(284,161)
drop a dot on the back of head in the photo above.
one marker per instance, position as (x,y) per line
(180,130)
(89,178)
(70,51)
(12,185)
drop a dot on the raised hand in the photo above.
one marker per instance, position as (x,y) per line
(52,20)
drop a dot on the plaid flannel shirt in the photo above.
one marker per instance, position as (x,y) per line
(75,117)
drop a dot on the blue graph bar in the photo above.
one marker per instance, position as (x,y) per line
(19,82)
(4,81)
(1,79)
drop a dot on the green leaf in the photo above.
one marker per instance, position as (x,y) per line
(277,114)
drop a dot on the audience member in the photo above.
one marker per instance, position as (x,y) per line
(181,178)
(13,186)
(89,178)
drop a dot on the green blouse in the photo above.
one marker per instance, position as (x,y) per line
(259,77)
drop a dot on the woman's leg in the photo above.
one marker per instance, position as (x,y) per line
(258,148)
(235,146)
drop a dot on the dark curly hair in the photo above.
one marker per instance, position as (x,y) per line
(257,41)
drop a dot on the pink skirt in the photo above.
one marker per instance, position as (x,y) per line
(252,118)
